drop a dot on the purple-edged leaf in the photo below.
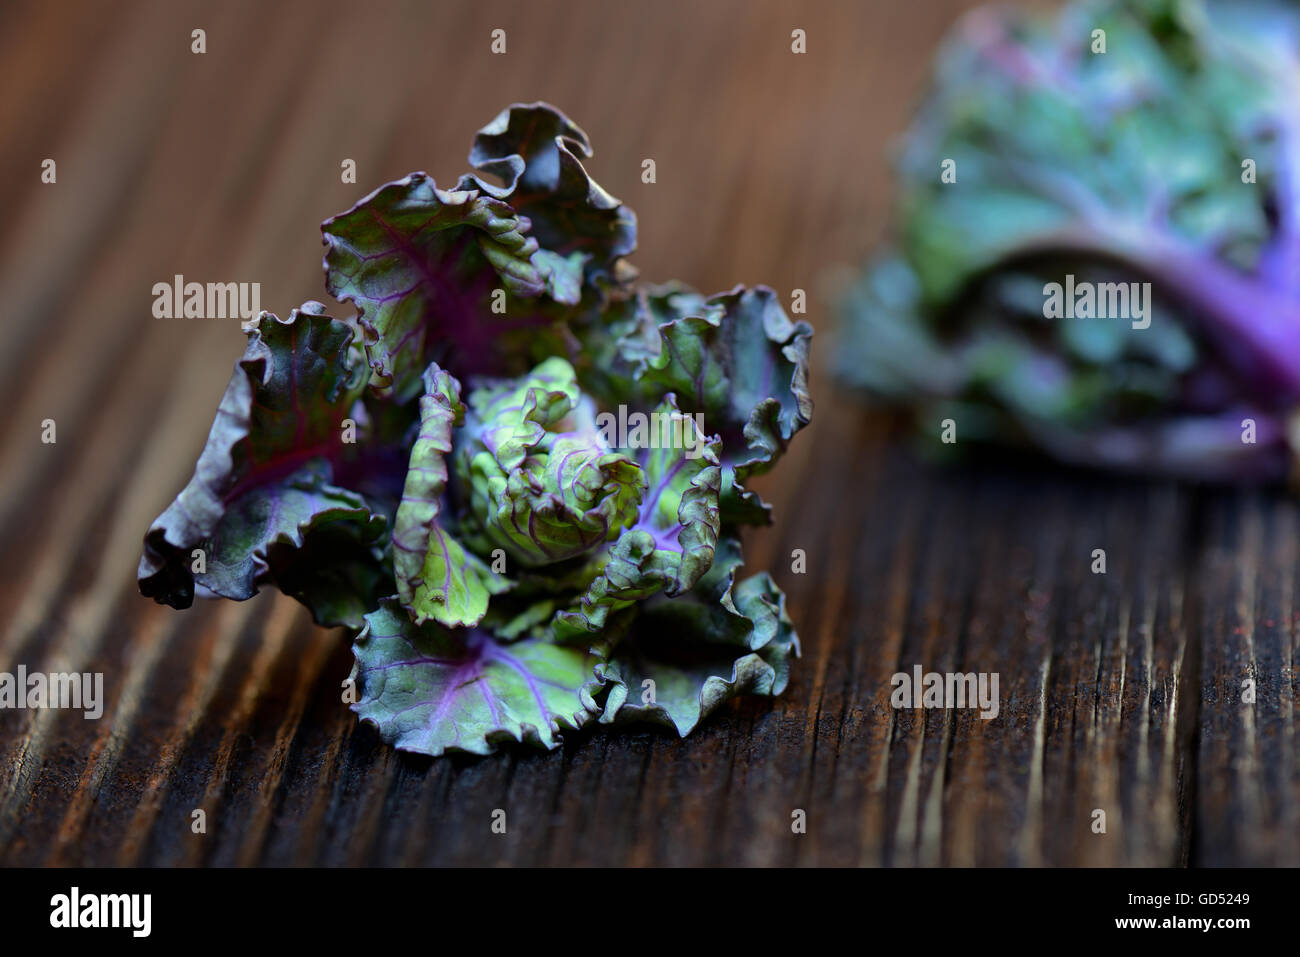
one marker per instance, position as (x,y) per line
(672,543)
(723,639)
(743,364)
(437,578)
(431,690)
(336,573)
(297,513)
(537,152)
(422,264)
(265,482)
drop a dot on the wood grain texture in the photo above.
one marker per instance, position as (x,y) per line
(1119,691)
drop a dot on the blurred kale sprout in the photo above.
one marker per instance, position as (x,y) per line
(1164,149)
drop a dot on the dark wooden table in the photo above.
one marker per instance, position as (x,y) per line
(1119,692)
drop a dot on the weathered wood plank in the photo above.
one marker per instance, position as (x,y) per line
(1248,783)
(1119,692)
